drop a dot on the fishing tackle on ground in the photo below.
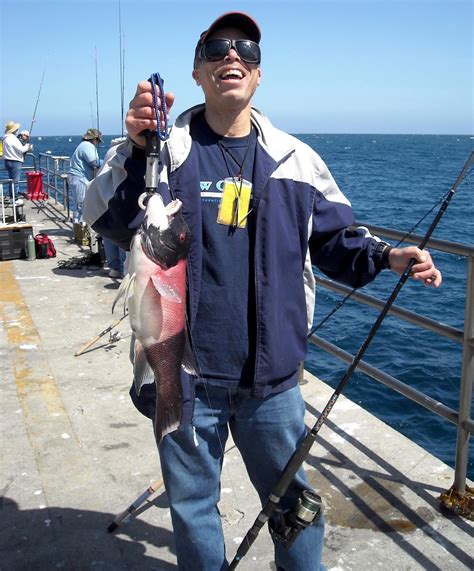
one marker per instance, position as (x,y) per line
(300,454)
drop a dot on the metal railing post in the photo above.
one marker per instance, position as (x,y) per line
(467,377)
(48,173)
(56,162)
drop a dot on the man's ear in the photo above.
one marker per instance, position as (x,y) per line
(259,75)
(196,76)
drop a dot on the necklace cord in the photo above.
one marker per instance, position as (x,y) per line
(238,191)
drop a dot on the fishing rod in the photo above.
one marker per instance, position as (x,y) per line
(97,90)
(97,337)
(133,507)
(308,506)
(37,100)
(122,67)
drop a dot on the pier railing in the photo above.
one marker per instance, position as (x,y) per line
(55,169)
(462,417)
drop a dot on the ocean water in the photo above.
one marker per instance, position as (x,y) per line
(393,181)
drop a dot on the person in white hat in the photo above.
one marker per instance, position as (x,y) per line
(24,136)
(14,151)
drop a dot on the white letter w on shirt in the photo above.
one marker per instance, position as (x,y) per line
(205,185)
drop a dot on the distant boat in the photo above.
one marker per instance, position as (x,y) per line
(70,140)
(40,138)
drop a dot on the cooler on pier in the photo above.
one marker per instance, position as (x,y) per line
(34,186)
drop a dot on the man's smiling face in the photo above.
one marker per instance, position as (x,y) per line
(229,82)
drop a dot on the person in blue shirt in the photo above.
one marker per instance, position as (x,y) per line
(262,207)
(84,165)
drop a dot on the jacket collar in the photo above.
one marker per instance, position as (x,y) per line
(275,142)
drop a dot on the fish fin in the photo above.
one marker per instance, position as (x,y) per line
(142,372)
(189,362)
(168,418)
(124,291)
(165,289)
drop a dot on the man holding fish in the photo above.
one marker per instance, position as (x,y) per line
(221,287)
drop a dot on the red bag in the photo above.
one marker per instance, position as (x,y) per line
(44,246)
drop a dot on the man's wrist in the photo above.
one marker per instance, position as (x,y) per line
(135,144)
(138,152)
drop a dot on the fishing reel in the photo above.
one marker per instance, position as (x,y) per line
(286,525)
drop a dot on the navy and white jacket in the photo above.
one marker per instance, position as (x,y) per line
(302,218)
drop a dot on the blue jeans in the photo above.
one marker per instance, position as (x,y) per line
(114,255)
(266,431)
(77,190)
(13,169)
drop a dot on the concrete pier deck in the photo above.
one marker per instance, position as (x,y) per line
(75,452)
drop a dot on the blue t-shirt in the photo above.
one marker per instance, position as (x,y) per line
(84,160)
(224,330)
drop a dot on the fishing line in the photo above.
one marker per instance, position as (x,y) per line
(300,454)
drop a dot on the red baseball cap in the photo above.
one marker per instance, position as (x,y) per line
(238,20)
(234,20)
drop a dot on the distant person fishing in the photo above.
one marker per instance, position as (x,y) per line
(15,147)
(261,207)
(85,162)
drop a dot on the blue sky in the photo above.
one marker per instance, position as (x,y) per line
(329,66)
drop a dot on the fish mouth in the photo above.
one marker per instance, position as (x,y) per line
(173,208)
(168,242)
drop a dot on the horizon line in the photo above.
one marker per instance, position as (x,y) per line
(471,135)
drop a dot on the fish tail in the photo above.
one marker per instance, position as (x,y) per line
(167,419)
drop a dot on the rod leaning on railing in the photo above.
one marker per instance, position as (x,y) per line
(303,449)
(465,336)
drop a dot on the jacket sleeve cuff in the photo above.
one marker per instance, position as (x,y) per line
(380,255)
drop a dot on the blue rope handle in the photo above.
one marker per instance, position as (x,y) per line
(155,79)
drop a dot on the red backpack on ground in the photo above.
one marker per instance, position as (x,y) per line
(44,246)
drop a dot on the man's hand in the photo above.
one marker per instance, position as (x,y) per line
(141,112)
(424,268)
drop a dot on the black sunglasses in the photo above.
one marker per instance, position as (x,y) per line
(215,50)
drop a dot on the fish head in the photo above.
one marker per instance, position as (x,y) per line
(165,236)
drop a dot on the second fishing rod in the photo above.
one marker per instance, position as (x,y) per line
(309,506)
